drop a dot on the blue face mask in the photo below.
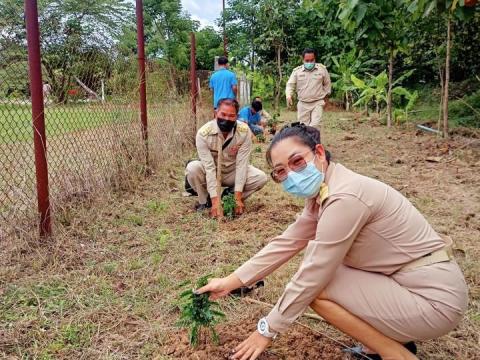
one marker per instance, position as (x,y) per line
(309,65)
(305,183)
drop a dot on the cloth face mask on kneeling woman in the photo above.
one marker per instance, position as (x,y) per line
(305,183)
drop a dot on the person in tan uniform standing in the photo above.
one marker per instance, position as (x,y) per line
(312,83)
(373,266)
(234,139)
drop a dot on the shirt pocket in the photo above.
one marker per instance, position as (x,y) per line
(318,78)
(302,81)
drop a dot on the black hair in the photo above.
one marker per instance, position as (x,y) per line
(230,102)
(309,51)
(307,135)
(222,60)
(257,105)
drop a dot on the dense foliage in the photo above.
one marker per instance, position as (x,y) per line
(265,39)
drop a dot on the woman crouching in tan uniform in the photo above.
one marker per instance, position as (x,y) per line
(373,266)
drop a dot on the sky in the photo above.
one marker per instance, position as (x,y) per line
(204,11)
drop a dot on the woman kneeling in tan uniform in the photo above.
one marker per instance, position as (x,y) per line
(373,266)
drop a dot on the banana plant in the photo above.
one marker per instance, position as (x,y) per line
(376,88)
(373,90)
(344,66)
(401,114)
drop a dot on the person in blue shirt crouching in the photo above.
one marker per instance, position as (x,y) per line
(252,116)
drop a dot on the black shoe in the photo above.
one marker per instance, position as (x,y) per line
(244,290)
(207,205)
(201,207)
(358,353)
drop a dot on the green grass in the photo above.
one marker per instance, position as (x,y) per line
(16,120)
(460,114)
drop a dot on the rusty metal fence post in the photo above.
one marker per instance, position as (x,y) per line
(141,69)
(38,116)
(193,83)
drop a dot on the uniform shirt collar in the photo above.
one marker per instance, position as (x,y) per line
(323,194)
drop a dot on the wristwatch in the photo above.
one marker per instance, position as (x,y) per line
(264,329)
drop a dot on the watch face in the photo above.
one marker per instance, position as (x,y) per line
(262,326)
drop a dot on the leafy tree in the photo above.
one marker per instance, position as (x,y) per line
(77,39)
(167,32)
(380,23)
(451,11)
(243,28)
(275,17)
(76,35)
(209,43)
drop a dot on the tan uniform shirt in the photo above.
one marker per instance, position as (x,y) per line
(235,157)
(358,221)
(311,85)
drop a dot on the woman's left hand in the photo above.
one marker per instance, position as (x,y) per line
(251,348)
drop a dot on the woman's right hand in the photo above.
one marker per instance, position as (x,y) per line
(220,287)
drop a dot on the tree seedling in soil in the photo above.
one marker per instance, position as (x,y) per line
(197,312)
(261,138)
(229,204)
(272,123)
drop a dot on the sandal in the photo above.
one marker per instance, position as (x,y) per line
(358,353)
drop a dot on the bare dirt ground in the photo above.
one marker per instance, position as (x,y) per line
(107,286)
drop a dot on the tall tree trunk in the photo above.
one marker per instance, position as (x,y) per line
(390,85)
(440,108)
(279,82)
(447,77)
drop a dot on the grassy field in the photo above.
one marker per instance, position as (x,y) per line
(16,120)
(106,286)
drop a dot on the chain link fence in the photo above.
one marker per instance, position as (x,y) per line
(92,117)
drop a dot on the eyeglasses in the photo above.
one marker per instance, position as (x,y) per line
(296,163)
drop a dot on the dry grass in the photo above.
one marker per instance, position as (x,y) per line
(106,286)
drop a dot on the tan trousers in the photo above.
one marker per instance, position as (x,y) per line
(310,113)
(197,178)
(420,304)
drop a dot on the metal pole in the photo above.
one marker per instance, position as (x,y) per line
(38,116)
(141,69)
(225,52)
(193,83)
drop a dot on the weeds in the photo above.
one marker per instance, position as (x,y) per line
(197,313)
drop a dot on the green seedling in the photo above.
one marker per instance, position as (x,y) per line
(261,138)
(258,149)
(229,204)
(197,312)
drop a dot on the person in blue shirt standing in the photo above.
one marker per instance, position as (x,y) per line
(252,116)
(223,82)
